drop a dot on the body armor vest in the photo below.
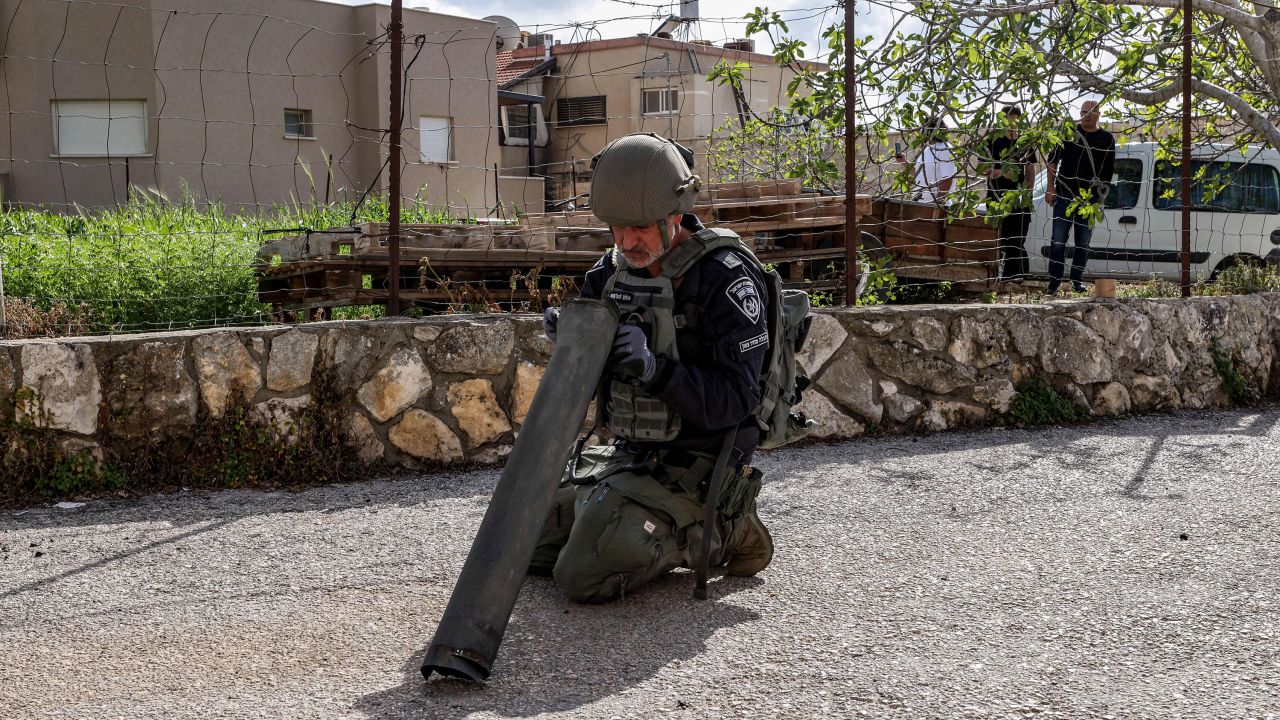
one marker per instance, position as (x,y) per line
(629,411)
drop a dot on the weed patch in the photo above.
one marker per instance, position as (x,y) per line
(1038,403)
(1239,388)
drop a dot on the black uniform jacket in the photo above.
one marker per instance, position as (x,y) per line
(715,384)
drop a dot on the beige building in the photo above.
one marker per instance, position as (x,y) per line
(594,92)
(244,102)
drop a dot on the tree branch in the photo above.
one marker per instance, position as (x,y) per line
(1233,15)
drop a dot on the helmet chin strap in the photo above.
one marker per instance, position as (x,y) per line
(665,232)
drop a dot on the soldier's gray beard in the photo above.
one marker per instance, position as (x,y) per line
(650,259)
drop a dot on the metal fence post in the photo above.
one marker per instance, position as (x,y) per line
(852,239)
(3,324)
(1186,148)
(395,31)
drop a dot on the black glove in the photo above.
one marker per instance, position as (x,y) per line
(631,356)
(550,318)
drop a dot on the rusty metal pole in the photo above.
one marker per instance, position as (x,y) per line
(395,35)
(852,238)
(1186,148)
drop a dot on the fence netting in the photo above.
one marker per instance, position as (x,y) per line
(177,164)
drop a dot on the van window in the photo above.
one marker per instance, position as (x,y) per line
(1224,187)
(1125,184)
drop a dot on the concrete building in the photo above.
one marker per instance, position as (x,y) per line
(244,102)
(597,91)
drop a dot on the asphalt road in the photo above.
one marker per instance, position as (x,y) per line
(1119,570)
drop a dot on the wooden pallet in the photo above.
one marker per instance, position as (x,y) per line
(919,237)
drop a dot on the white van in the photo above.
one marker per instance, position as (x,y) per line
(1235,215)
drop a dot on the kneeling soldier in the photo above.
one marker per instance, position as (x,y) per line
(684,375)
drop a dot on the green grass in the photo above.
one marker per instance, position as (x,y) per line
(154,264)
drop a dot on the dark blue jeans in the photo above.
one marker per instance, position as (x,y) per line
(1062,226)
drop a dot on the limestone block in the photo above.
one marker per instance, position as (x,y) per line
(1112,399)
(149,391)
(847,382)
(359,435)
(930,333)
(920,369)
(426,437)
(343,350)
(1026,331)
(995,393)
(474,348)
(900,406)
(75,446)
(1191,328)
(225,371)
(978,343)
(427,334)
(477,411)
(871,328)
(1135,338)
(945,415)
(1105,321)
(493,455)
(1071,348)
(65,381)
(829,421)
(534,346)
(1073,394)
(396,386)
(826,335)
(528,377)
(8,378)
(293,354)
(284,415)
(1154,393)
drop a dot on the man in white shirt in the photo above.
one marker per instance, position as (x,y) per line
(935,169)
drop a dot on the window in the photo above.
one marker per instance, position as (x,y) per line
(434,139)
(1219,187)
(100,127)
(297,124)
(517,126)
(661,102)
(1125,184)
(581,111)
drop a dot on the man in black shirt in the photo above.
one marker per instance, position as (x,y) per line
(1080,174)
(1007,193)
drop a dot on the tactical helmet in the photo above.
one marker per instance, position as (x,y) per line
(641,179)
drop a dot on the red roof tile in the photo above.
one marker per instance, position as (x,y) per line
(511,67)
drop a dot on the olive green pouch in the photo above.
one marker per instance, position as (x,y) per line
(597,462)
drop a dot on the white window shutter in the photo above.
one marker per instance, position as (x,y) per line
(101,127)
(434,139)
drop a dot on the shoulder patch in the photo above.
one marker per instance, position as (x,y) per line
(744,296)
(731,260)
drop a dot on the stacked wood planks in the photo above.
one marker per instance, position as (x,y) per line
(801,232)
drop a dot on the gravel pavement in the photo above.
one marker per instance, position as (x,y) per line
(1127,569)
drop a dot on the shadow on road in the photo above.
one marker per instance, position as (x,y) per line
(559,656)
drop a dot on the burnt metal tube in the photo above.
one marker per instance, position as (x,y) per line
(467,639)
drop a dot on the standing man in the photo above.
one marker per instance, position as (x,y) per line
(1079,177)
(1008,190)
(681,386)
(935,169)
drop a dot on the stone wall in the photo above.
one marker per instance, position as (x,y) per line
(456,389)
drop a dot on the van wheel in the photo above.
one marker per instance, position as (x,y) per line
(1235,261)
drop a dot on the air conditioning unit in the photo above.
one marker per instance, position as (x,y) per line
(540,40)
(744,44)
